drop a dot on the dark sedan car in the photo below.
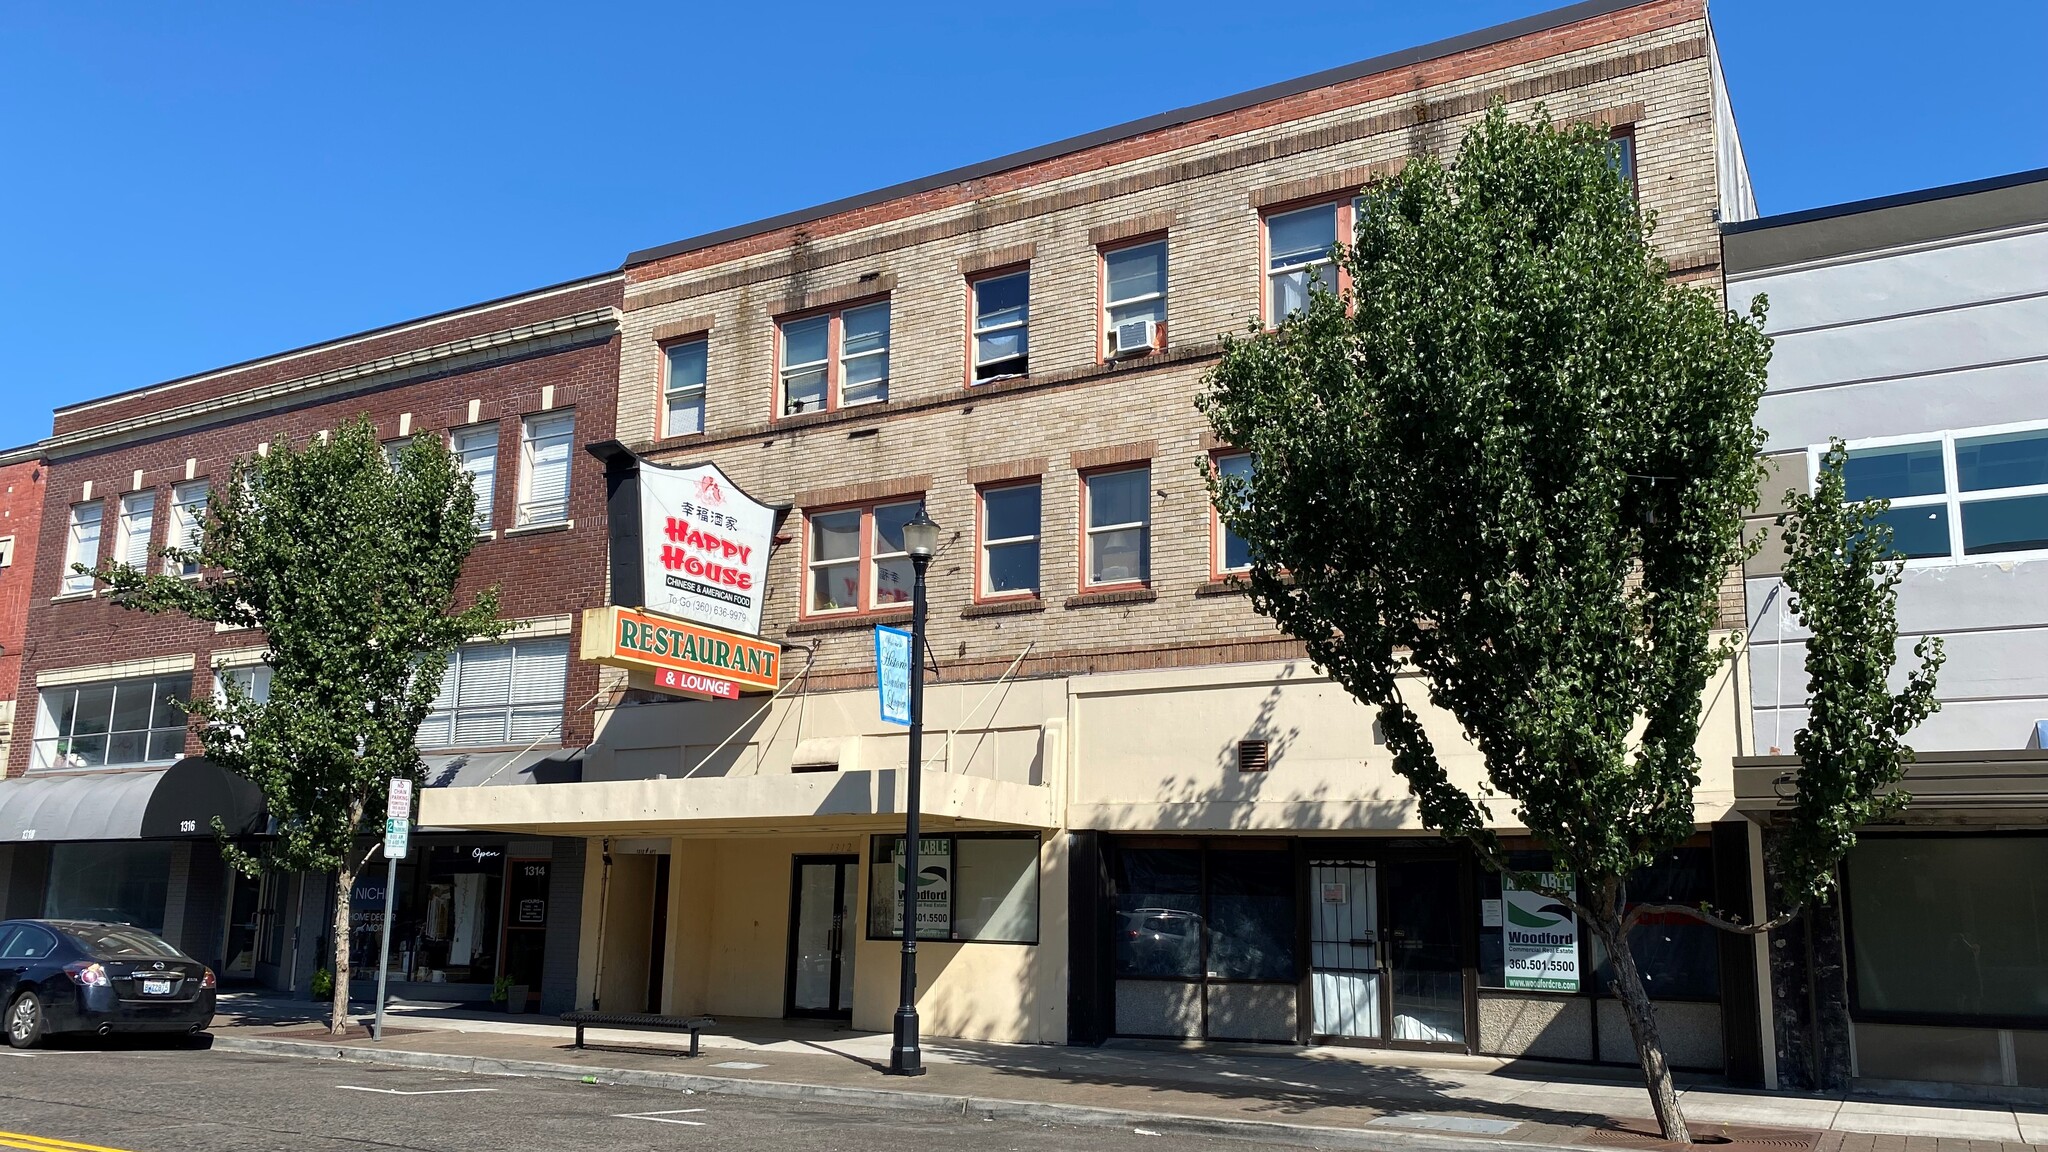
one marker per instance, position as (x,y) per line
(87,976)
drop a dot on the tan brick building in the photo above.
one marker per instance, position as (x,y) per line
(1151,816)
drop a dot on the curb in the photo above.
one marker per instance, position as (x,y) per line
(1035,1112)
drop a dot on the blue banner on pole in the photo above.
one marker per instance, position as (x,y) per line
(892,673)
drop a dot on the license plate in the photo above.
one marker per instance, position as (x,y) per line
(156,987)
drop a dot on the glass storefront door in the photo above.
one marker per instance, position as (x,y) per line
(820,963)
(1425,953)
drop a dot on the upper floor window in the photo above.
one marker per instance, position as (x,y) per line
(1299,247)
(836,359)
(394,451)
(82,545)
(1118,526)
(112,722)
(544,468)
(1621,153)
(6,551)
(252,679)
(138,520)
(1134,299)
(1010,539)
(498,695)
(1233,552)
(476,450)
(1002,308)
(856,559)
(188,517)
(683,388)
(1955,495)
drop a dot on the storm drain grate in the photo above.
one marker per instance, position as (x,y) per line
(1720,1137)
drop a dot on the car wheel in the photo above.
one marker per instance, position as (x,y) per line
(25,1021)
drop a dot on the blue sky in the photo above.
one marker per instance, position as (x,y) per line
(187,186)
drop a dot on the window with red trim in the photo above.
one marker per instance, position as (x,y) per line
(1622,155)
(834,359)
(999,344)
(1009,547)
(1133,293)
(1117,526)
(855,560)
(1298,245)
(1233,552)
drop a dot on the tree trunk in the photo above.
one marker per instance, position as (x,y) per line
(1642,1025)
(344,883)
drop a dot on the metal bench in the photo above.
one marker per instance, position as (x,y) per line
(645,1021)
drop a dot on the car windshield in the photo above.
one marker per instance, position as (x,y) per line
(120,942)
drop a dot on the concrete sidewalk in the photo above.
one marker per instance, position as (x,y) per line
(1314,1095)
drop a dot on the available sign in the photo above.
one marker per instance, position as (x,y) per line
(934,887)
(1540,936)
(703,547)
(679,656)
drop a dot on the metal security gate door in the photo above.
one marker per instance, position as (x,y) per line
(1344,949)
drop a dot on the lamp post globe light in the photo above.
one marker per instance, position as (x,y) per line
(906,1056)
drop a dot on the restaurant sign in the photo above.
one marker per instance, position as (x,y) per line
(703,547)
(679,656)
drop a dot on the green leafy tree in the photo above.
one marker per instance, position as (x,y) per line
(348,563)
(1507,469)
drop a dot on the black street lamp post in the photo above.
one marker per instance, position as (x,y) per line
(906,1056)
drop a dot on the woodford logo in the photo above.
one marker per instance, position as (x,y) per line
(680,657)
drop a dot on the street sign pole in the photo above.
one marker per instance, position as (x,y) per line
(397,833)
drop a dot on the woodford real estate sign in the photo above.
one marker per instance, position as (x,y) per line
(692,626)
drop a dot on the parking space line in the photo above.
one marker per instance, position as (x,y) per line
(421,1092)
(49,1144)
(662,1117)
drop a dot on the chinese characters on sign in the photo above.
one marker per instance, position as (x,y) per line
(704,546)
(1541,936)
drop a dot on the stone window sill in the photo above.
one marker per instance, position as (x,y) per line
(848,622)
(1017,607)
(1115,596)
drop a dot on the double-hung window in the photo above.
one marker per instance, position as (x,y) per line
(476,450)
(1134,299)
(138,520)
(856,559)
(188,519)
(394,452)
(836,359)
(1233,552)
(112,722)
(1298,257)
(252,679)
(82,545)
(497,695)
(1118,526)
(1621,153)
(1002,313)
(687,366)
(1955,495)
(1010,539)
(544,468)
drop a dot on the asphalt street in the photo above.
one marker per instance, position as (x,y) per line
(131,1097)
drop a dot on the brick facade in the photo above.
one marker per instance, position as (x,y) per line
(21,510)
(1202,185)
(555,350)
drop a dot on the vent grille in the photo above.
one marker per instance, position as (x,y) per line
(1251,755)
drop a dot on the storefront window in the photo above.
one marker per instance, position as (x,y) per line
(1159,912)
(1251,915)
(446,917)
(1679,957)
(119,882)
(971,888)
(1950,926)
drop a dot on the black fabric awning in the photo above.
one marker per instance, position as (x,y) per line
(178,802)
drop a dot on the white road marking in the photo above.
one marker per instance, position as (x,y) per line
(423,1092)
(662,1117)
(744,1065)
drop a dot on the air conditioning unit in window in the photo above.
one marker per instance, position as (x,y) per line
(1135,336)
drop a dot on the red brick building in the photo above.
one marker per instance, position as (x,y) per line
(21,509)
(101,814)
